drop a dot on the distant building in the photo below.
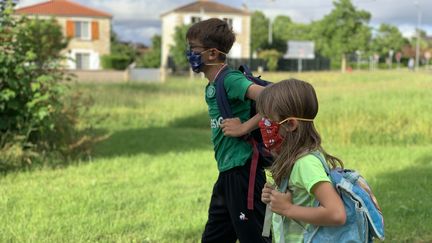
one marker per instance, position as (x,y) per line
(197,11)
(88,28)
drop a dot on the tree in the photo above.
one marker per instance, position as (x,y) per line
(178,49)
(278,45)
(35,119)
(259,31)
(286,30)
(44,39)
(152,59)
(119,48)
(121,56)
(423,40)
(343,31)
(387,38)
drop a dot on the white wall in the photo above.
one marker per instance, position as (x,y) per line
(94,58)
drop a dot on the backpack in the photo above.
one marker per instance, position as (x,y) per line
(260,152)
(364,219)
(364,216)
(265,157)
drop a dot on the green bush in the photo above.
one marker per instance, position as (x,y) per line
(271,57)
(152,58)
(117,62)
(36,119)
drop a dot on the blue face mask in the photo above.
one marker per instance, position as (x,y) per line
(194,60)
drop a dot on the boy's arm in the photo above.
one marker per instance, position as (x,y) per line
(233,127)
(253,91)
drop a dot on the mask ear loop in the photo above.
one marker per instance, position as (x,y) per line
(296,118)
(214,64)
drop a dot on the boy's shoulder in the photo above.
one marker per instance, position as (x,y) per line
(234,75)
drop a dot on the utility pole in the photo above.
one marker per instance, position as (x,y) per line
(270,27)
(417,57)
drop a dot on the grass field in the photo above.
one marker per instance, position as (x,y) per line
(151,179)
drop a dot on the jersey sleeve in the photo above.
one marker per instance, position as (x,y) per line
(236,85)
(308,171)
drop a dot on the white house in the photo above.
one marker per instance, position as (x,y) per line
(200,10)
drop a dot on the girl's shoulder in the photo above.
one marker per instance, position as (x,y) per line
(308,160)
(308,166)
(307,171)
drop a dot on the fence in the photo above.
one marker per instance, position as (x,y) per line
(113,76)
(317,64)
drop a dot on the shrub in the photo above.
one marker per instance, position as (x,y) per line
(117,62)
(271,57)
(36,121)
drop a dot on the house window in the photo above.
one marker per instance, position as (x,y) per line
(82,60)
(82,30)
(195,20)
(229,21)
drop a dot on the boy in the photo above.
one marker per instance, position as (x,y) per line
(229,218)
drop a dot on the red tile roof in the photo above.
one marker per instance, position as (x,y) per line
(61,8)
(207,6)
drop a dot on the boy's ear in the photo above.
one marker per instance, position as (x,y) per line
(213,54)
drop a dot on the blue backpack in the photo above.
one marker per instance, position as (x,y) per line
(364,217)
(260,153)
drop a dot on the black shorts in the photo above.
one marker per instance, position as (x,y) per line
(228,216)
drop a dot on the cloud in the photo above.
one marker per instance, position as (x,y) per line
(136,30)
(139,20)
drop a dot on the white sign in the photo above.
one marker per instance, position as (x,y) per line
(300,50)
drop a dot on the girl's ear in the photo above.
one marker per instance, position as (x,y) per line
(292,125)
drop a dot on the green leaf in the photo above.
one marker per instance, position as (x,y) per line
(35,86)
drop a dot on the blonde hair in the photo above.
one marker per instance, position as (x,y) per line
(293,98)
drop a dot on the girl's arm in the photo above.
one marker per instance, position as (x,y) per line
(331,211)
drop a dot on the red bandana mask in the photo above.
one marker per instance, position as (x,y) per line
(270,134)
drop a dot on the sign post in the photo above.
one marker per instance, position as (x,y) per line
(300,50)
(391,52)
(427,56)
(358,54)
(398,58)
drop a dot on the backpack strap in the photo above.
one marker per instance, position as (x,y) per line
(252,174)
(221,95)
(226,112)
(245,70)
(283,188)
(267,221)
(323,161)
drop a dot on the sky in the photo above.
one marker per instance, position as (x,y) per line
(139,20)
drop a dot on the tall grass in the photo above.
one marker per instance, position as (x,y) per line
(151,180)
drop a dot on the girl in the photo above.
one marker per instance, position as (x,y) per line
(288,109)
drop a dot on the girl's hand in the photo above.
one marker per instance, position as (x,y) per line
(266,192)
(232,127)
(280,202)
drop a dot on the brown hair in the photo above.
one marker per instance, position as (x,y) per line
(293,98)
(212,33)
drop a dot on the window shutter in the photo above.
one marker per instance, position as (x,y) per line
(95,30)
(70,28)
